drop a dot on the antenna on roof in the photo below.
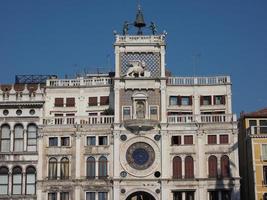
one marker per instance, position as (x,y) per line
(196,60)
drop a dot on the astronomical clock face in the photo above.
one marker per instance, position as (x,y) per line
(140,156)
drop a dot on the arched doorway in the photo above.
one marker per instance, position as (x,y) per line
(140,196)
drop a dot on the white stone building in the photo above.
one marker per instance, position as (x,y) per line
(138,134)
(21,106)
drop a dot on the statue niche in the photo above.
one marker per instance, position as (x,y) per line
(140,110)
(137,69)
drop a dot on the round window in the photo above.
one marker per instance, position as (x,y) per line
(19,112)
(5,112)
(32,112)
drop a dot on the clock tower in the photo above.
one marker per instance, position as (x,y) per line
(140,111)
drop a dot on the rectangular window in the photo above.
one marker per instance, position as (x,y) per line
(103,140)
(64,196)
(65,141)
(153,112)
(219,100)
(226,194)
(104,100)
(263,126)
(213,195)
(188,139)
(90,196)
(205,100)
(224,139)
(212,139)
(264,152)
(176,140)
(102,196)
(173,100)
(177,195)
(30,183)
(126,113)
(254,124)
(59,102)
(189,195)
(265,175)
(70,102)
(53,141)
(52,196)
(92,101)
(4,184)
(186,100)
(91,140)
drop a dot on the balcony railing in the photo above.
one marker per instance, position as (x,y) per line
(253,130)
(175,119)
(95,81)
(103,119)
(140,38)
(216,80)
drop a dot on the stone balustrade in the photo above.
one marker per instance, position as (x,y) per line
(94,81)
(58,120)
(216,118)
(216,80)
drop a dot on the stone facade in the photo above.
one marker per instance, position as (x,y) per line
(137,134)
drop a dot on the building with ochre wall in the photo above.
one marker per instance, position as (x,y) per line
(253,154)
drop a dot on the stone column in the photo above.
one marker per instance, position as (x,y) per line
(11,140)
(77,155)
(25,134)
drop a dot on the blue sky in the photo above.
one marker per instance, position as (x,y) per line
(67,36)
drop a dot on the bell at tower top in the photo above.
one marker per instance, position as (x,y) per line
(140,24)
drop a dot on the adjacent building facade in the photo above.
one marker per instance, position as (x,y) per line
(21,108)
(253,155)
(136,134)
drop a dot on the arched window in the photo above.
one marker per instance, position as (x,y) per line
(32,137)
(64,168)
(5,138)
(177,167)
(213,167)
(3,180)
(18,138)
(30,180)
(16,180)
(102,167)
(90,167)
(225,166)
(189,167)
(52,168)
